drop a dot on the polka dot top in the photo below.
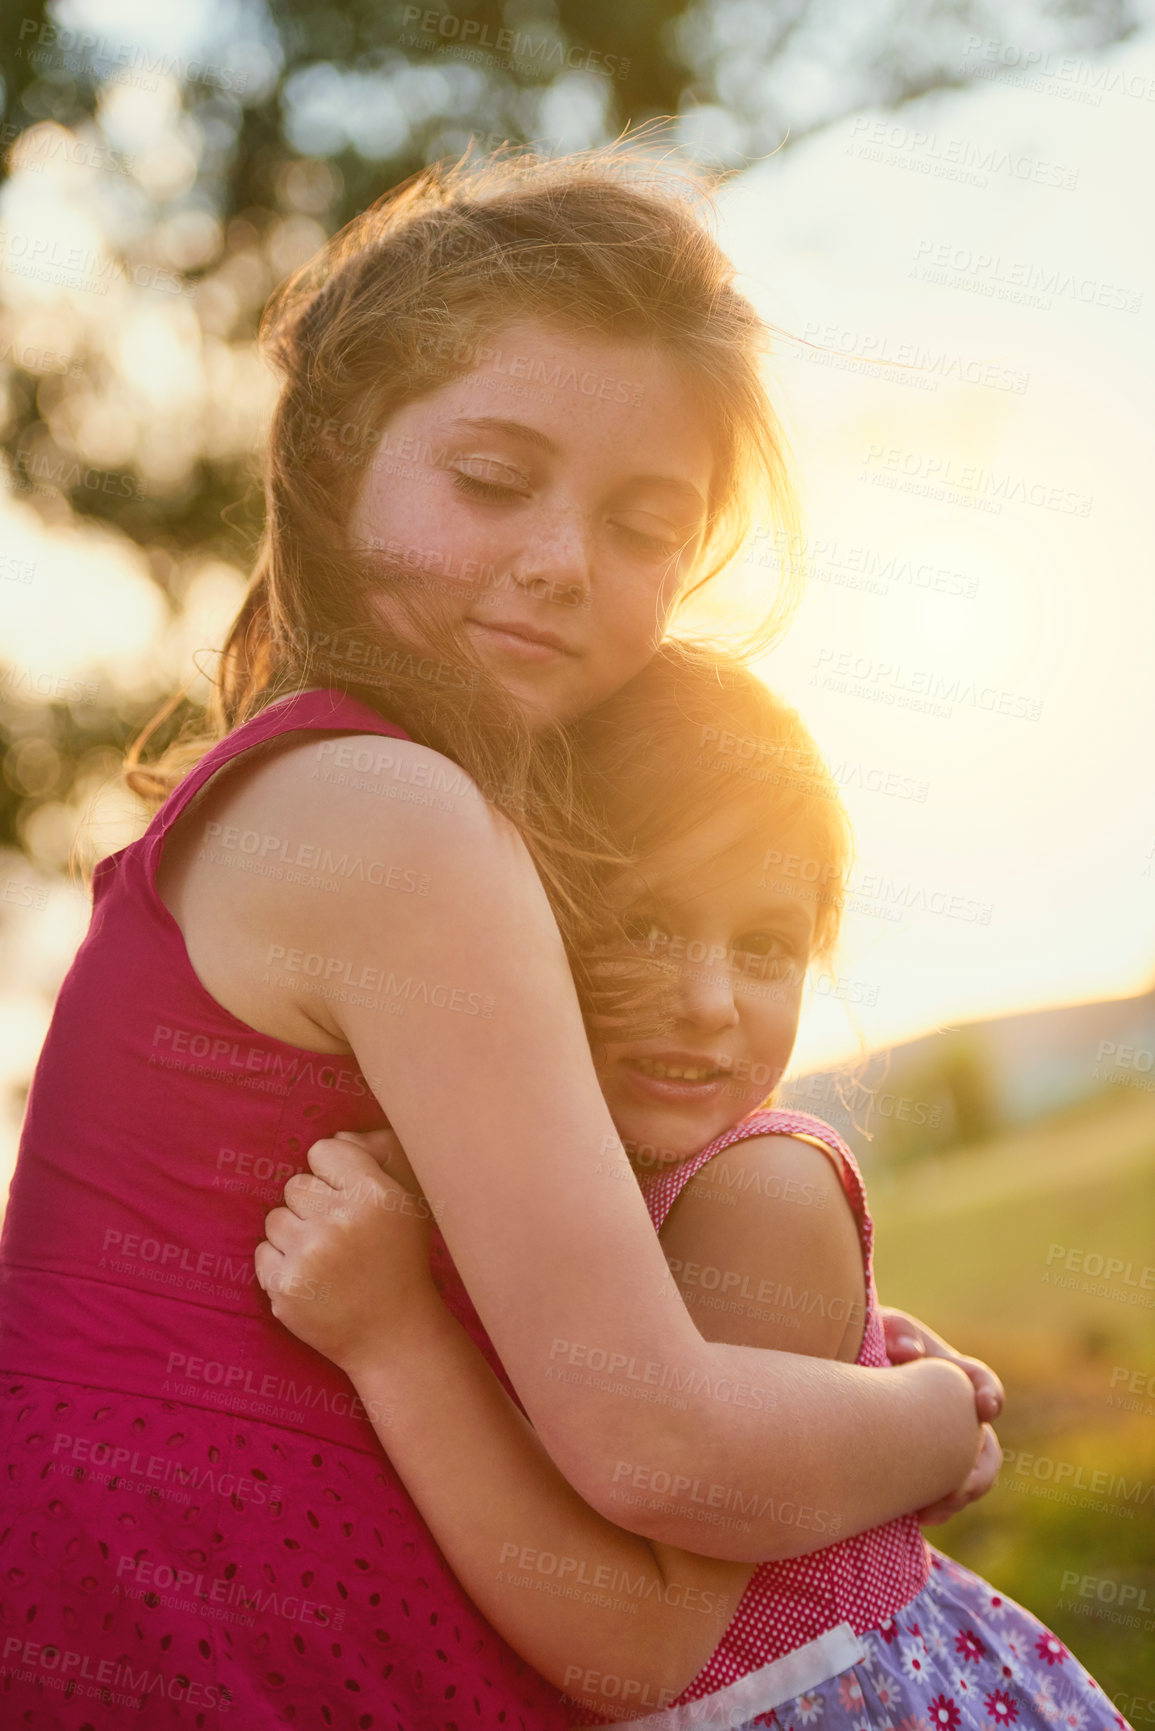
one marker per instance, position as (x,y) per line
(863,1580)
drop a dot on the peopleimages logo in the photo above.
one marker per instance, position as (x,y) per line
(206,1595)
(129,1467)
(929,689)
(1022,281)
(48,260)
(52,45)
(950,158)
(1066,75)
(533,50)
(1107,1591)
(188,1049)
(113,1682)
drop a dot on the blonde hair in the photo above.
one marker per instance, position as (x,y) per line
(696,732)
(403,300)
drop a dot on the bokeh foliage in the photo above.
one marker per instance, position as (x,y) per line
(288,118)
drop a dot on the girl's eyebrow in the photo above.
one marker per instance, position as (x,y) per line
(515,430)
(782,913)
(542,442)
(663,901)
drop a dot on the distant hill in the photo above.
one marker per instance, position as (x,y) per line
(959,1084)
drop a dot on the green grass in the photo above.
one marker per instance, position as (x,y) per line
(963,1242)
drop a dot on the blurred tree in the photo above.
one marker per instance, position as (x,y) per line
(215,168)
(956,1101)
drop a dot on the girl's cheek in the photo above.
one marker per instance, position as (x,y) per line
(646,598)
(776,1031)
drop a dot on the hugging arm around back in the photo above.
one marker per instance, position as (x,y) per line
(615,1620)
(508,1522)
(487,1079)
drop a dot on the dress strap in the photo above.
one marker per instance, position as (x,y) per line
(324,710)
(309,711)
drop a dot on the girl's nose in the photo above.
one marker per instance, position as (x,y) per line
(706,996)
(554,561)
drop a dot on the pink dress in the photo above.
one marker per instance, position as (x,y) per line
(880,1630)
(198,1524)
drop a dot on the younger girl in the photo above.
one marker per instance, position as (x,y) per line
(764,1222)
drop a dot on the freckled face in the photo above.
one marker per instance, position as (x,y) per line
(739,950)
(562,530)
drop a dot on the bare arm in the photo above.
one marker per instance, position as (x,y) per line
(769,1219)
(466,1024)
(612,1618)
(766,1252)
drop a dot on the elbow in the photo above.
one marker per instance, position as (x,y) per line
(649,1476)
(624,1486)
(639,1473)
(659,1486)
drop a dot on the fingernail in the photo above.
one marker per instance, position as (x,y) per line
(909,1343)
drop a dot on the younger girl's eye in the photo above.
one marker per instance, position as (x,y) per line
(645,930)
(760,943)
(768,955)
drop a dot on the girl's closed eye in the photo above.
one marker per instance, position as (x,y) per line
(484,478)
(494,483)
(664,545)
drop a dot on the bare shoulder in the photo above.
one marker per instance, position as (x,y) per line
(366,782)
(339,809)
(766,1250)
(318,848)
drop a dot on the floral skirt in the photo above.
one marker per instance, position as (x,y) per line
(958,1657)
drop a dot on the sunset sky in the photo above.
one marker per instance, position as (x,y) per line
(1020,599)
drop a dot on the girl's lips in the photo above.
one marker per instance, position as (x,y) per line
(671,1090)
(529,645)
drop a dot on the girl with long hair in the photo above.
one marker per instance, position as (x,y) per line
(522,420)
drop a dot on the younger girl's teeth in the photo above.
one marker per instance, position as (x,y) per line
(675,1072)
